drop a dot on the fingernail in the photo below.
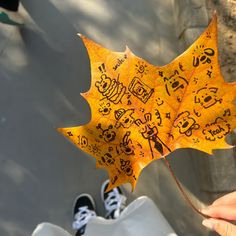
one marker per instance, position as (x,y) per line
(208,223)
(204,211)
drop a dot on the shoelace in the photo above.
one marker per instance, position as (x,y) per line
(82,217)
(115,202)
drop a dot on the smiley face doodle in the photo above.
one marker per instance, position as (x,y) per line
(107,159)
(216,130)
(207,97)
(126,167)
(124,118)
(111,89)
(108,134)
(185,123)
(175,83)
(202,55)
(104,108)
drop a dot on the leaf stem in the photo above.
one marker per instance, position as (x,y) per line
(182,190)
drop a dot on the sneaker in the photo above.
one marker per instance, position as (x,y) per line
(84,210)
(10,17)
(114,201)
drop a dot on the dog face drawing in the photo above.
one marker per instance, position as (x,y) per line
(207,97)
(185,123)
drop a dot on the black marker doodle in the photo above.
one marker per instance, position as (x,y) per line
(159,101)
(126,167)
(126,145)
(209,72)
(196,140)
(198,114)
(142,110)
(141,68)
(158,117)
(181,67)
(114,179)
(119,62)
(195,80)
(102,68)
(140,90)
(94,149)
(185,123)
(171,136)
(107,159)
(128,95)
(168,115)
(161,73)
(70,134)
(139,144)
(207,97)
(111,89)
(141,154)
(179,99)
(208,35)
(108,134)
(104,108)
(174,83)
(216,130)
(227,112)
(202,55)
(150,132)
(124,118)
(82,141)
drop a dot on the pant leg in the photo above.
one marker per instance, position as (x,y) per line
(47,229)
(11,5)
(140,218)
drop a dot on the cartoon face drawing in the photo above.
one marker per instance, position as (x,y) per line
(108,134)
(111,89)
(174,83)
(104,84)
(185,123)
(126,167)
(104,108)
(147,129)
(202,55)
(124,118)
(207,97)
(108,159)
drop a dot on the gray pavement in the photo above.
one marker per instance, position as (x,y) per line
(43,68)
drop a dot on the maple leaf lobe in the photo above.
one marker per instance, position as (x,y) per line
(142,112)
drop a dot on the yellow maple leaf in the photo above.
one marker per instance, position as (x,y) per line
(142,112)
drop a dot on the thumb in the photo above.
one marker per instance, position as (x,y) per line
(222,227)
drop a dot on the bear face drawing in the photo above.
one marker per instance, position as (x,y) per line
(104,84)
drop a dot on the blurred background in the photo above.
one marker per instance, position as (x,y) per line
(43,69)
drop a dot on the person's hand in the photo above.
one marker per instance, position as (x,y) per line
(221,212)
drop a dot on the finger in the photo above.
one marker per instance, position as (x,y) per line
(222,227)
(226,199)
(227,212)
